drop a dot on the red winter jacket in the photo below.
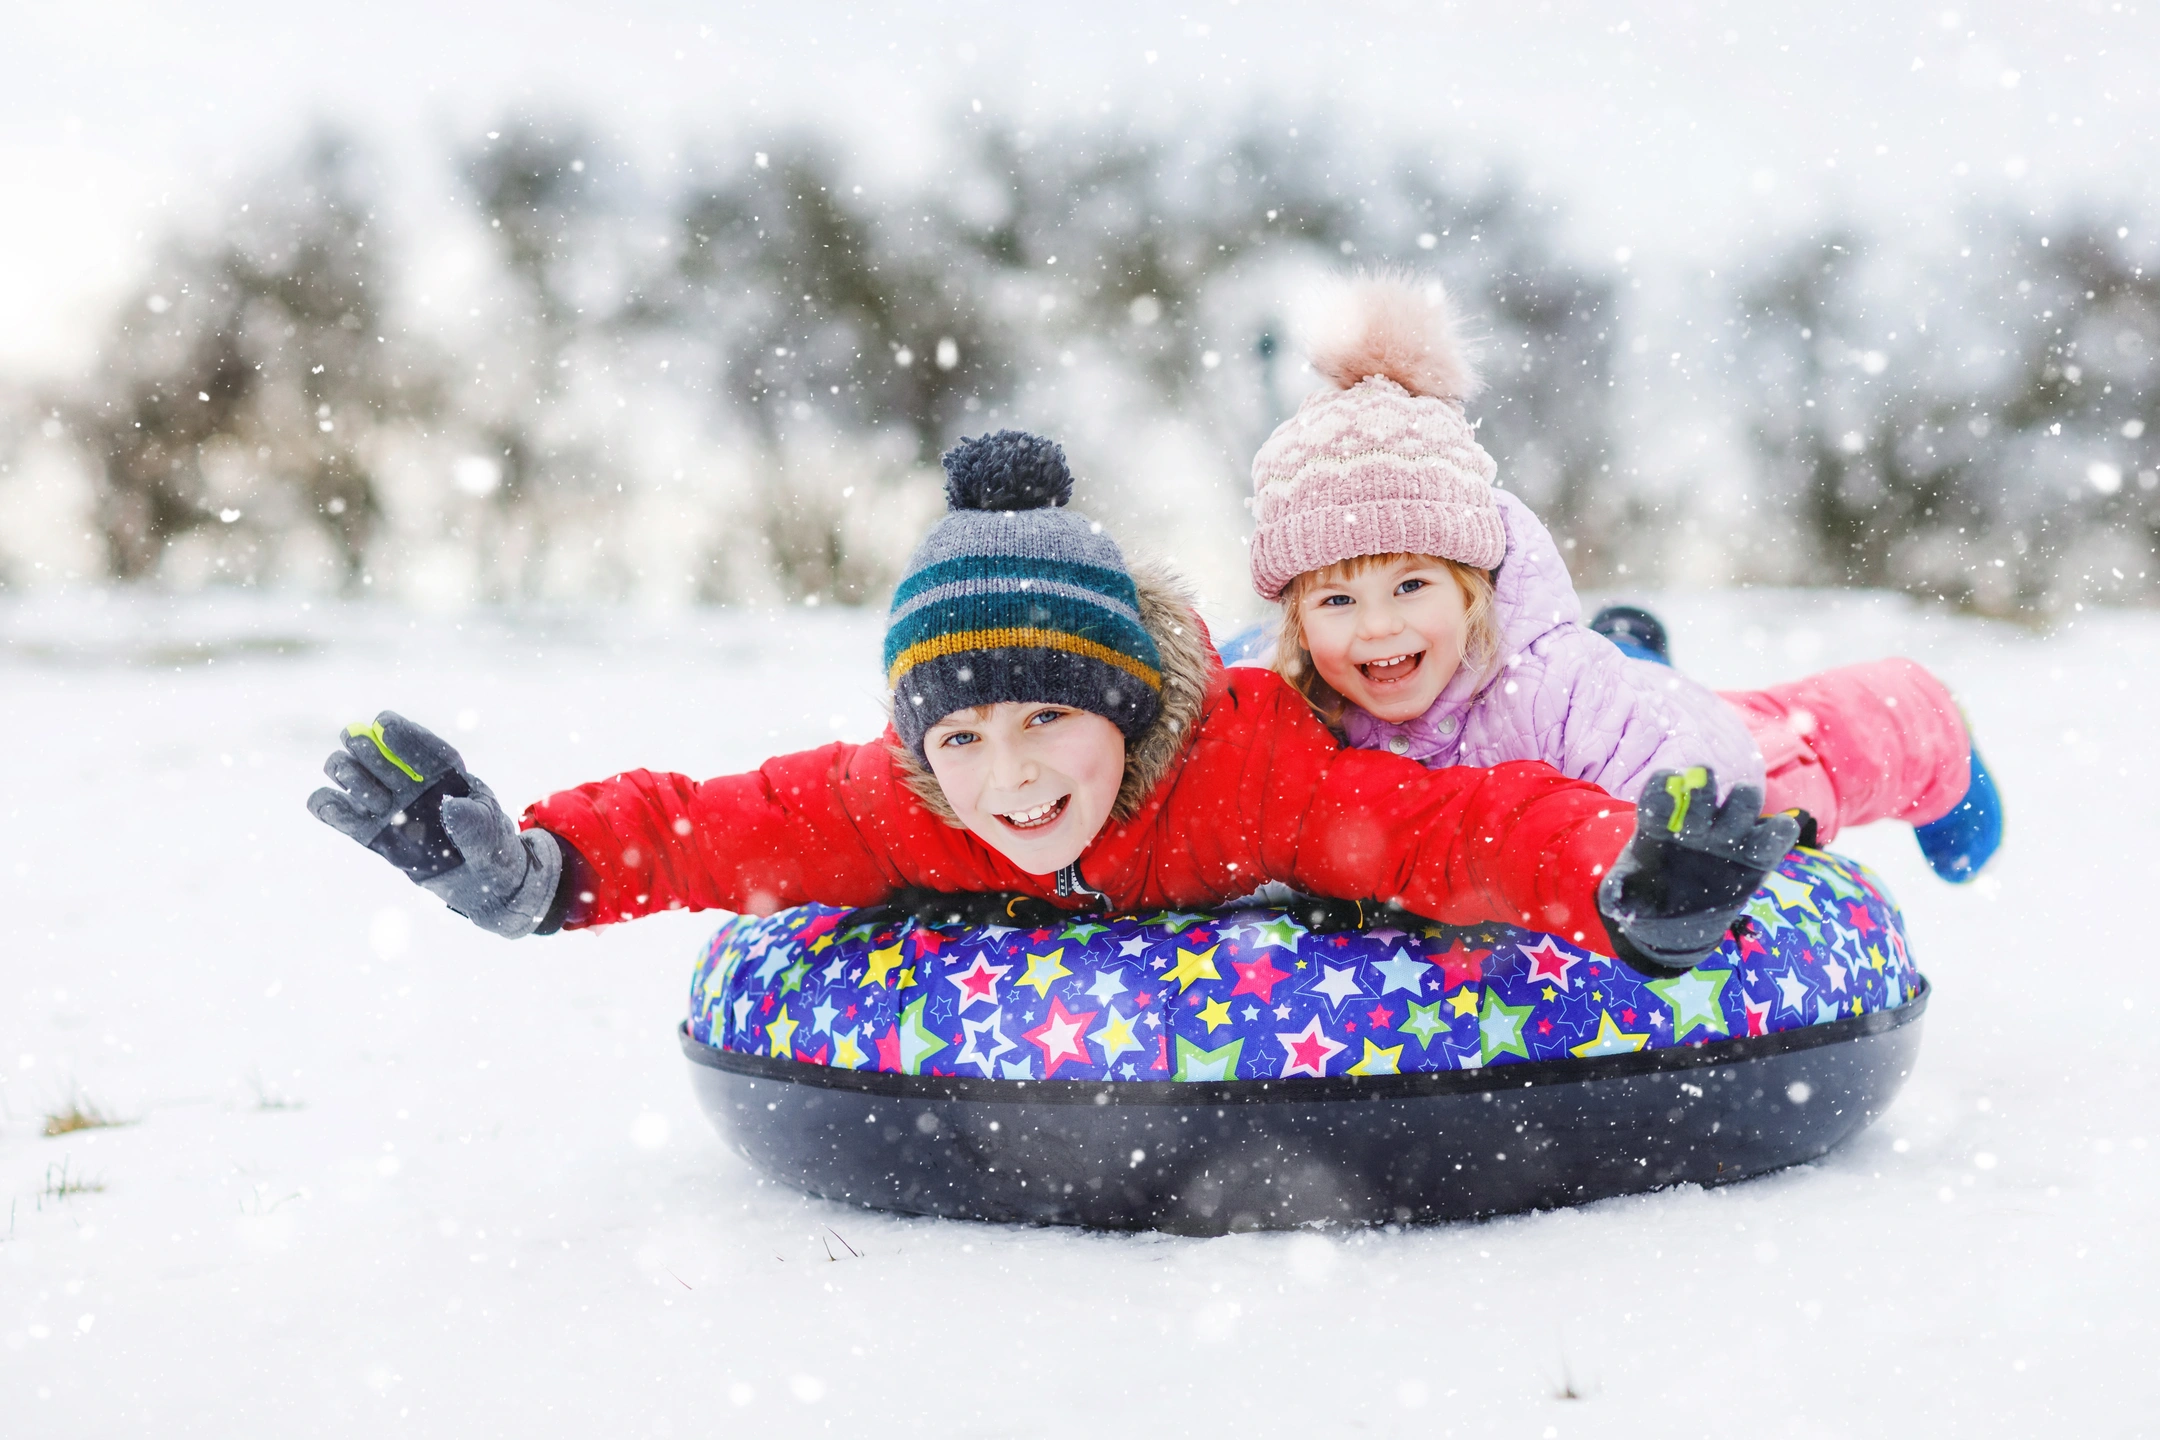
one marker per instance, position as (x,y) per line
(1260,791)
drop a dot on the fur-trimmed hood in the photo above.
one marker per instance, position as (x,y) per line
(1166,609)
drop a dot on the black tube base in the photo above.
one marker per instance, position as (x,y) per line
(1205,1159)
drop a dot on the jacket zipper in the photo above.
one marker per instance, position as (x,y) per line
(1069,884)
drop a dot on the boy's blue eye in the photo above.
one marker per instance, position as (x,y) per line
(960,737)
(1044,717)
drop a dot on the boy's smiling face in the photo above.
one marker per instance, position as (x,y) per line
(1035,781)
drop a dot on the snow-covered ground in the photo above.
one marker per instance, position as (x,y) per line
(379,1173)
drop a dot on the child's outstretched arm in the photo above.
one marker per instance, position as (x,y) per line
(835,825)
(1656,885)
(405,793)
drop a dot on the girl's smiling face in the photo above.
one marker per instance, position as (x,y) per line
(1035,781)
(1386,636)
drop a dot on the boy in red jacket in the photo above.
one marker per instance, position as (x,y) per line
(1062,729)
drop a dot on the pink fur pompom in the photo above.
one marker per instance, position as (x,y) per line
(1400,329)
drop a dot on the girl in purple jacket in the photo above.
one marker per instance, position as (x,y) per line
(1426,613)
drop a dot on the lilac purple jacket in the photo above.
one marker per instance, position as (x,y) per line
(1564,695)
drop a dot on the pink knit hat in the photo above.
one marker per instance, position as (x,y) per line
(1381,460)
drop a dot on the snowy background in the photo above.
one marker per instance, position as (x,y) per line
(375,1171)
(380,1172)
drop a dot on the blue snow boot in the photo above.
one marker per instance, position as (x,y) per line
(1638,634)
(1960,843)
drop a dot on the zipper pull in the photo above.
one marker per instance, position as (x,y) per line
(1069,883)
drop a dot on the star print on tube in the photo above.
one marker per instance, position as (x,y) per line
(1115,1035)
(1609,1040)
(917,1044)
(978,983)
(1339,983)
(974,1053)
(847,1055)
(1061,1037)
(1258,977)
(1460,965)
(1044,971)
(1195,1063)
(1309,1050)
(1425,1023)
(753,992)
(1693,996)
(1377,1061)
(1403,971)
(1549,962)
(782,1030)
(1500,1029)
(882,963)
(1193,966)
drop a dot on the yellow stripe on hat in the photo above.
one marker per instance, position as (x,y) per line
(1017,638)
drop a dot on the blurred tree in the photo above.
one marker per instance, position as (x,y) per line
(835,320)
(827,301)
(849,328)
(240,389)
(1957,430)
(832,312)
(1131,233)
(541,187)
(1546,328)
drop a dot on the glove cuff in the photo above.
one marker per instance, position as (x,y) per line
(1628,930)
(536,896)
(483,894)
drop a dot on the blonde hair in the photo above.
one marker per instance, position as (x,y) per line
(1294,662)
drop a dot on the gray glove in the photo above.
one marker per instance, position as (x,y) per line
(407,796)
(1692,864)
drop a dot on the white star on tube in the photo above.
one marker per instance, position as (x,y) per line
(821,1016)
(1404,972)
(974,1053)
(1340,983)
(1792,993)
(1106,985)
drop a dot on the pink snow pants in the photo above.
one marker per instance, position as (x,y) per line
(1880,741)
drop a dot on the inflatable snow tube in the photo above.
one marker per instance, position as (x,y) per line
(1204,1072)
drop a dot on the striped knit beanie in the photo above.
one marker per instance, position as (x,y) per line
(1012,598)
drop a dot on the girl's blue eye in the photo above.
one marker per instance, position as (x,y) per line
(1335,600)
(1411,586)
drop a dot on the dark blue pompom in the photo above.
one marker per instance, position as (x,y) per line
(1011,470)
